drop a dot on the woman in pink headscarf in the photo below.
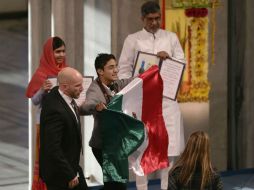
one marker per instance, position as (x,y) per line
(51,62)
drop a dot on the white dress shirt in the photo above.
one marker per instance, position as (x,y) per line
(68,100)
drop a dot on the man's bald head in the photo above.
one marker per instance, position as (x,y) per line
(67,75)
(70,82)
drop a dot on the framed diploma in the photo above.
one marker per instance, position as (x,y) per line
(87,80)
(171,71)
(144,61)
(53,81)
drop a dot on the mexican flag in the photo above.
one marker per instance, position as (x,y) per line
(134,133)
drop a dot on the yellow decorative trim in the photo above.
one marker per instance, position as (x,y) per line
(190,3)
(199,87)
(192,26)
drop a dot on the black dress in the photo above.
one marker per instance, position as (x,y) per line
(194,184)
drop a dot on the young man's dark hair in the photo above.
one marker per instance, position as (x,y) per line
(102,59)
(150,7)
(57,43)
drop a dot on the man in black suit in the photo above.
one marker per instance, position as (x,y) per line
(60,134)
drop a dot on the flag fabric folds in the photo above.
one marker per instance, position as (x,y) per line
(134,133)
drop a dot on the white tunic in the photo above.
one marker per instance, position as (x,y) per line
(153,43)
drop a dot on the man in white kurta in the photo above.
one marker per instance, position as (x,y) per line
(165,44)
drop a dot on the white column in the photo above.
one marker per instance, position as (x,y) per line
(39,31)
(97,39)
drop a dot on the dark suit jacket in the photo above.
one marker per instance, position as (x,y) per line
(60,141)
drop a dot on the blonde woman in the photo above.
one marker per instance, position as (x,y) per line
(193,169)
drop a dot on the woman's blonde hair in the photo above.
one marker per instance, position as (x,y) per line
(196,154)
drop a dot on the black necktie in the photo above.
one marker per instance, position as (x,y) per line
(75,107)
(76,110)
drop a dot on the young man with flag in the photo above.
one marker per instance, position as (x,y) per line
(134,118)
(130,126)
(98,96)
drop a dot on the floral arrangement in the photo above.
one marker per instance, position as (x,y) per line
(196,88)
(190,3)
(189,20)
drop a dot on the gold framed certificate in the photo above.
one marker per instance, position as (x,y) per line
(171,71)
(144,61)
(87,80)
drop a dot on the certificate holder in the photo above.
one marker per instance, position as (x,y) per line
(87,80)
(171,71)
(53,81)
(144,61)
